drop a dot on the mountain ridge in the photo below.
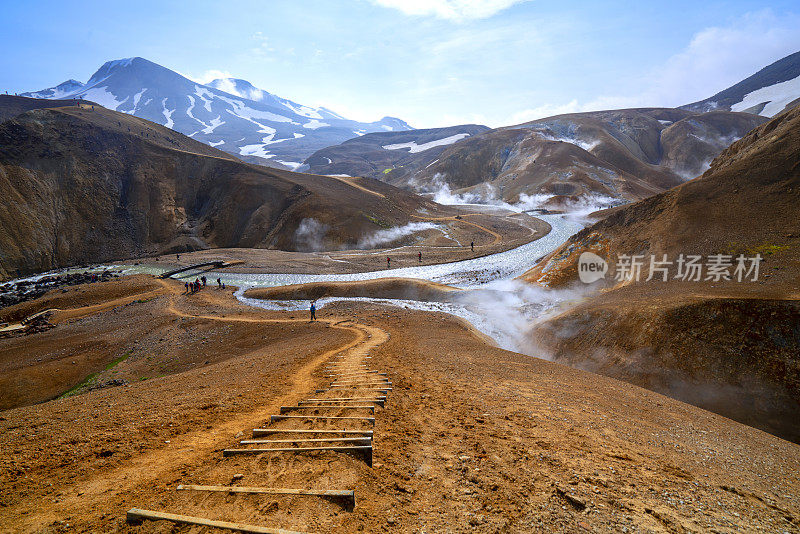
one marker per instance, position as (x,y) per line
(768,92)
(270,128)
(87,184)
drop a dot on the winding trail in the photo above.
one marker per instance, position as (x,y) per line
(153,467)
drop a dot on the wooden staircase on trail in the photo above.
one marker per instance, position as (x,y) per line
(355,389)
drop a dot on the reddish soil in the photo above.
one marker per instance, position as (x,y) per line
(472,439)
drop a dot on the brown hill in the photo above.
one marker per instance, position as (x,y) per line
(11,105)
(471,439)
(730,346)
(90,185)
(391,156)
(624,154)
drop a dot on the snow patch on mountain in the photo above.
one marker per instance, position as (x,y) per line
(102,97)
(291,164)
(202,93)
(305,111)
(255,150)
(777,97)
(167,114)
(413,147)
(313,124)
(211,127)
(586,145)
(136,98)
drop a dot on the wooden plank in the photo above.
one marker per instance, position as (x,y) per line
(370,382)
(336,383)
(367,449)
(371,376)
(357,371)
(274,418)
(303,440)
(137,515)
(335,399)
(347,496)
(378,390)
(217,264)
(379,401)
(285,409)
(265,431)
(355,387)
(375,379)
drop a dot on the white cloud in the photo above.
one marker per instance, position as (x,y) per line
(209,76)
(720,56)
(456,10)
(714,59)
(546,110)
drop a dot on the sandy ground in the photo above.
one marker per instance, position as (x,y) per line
(491,233)
(472,439)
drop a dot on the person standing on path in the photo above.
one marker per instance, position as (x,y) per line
(204,281)
(313,311)
(420,256)
(219,283)
(472,245)
(388,262)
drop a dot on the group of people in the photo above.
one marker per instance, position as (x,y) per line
(197,285)
(200,283)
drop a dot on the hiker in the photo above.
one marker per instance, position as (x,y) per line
(223,286)
(219,283)
(313,310)
(388,261)
(472,245)
(420,256)
(178,257)
(204,281)
(186,284)
(197,284)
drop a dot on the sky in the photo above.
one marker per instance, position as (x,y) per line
(429,62)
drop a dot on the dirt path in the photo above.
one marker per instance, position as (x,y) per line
(351,182)
(497,237)
(474,438)
(192,447)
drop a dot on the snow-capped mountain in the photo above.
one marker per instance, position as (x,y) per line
(229,114)
(767,92)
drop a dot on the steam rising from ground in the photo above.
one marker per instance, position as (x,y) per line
(577,209)
(504,310)
(389,235)
(310,235)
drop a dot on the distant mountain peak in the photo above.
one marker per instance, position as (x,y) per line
(767,92)
(238,87)
(229,113)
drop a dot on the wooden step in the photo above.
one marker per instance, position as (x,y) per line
(285,409)
(370,387)
(378,401)
(366,449)
(303,440)
(348,496)
(384,390)
(137,515)
(274,418)
(266,431)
